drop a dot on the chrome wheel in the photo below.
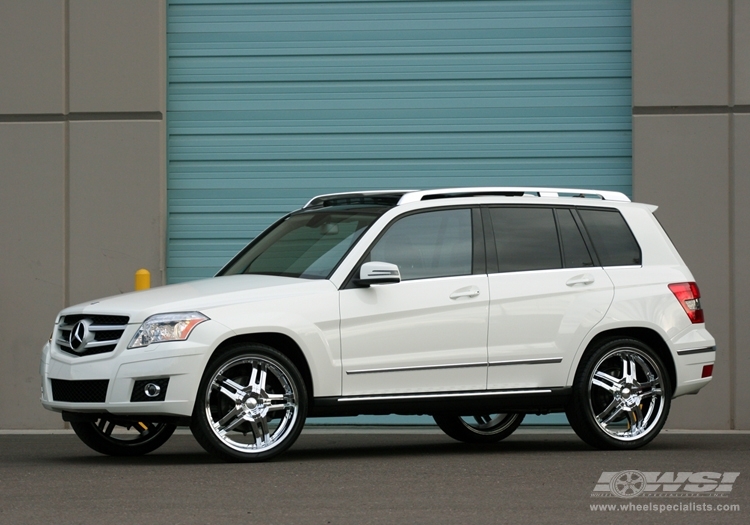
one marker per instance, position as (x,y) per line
(480,428)
(252,406)
(621,395)
(625,394)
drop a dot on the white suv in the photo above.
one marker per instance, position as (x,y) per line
(474,305)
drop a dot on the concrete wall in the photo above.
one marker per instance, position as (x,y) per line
(83,171)
(691,144)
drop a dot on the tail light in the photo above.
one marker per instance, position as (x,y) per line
(690,299)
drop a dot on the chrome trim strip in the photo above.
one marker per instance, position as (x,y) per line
(539,361)
(409,368)
(90,344)
(458,394)
(106,327)
(697,351)
(94,344)
(97,327)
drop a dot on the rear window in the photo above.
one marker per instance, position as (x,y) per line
(614,243)
(575,253)
(526,239)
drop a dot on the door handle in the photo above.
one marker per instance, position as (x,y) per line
(584,279)
(471,291)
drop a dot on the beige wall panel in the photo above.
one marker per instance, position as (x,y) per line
(742,269)
(681,164)
(31,293)
(116,206)
(31,57)
(116,55)
(680,52)
(741,52)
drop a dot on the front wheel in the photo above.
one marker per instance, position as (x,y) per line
(132,438)
(481,428)
(621,395)
(251,404)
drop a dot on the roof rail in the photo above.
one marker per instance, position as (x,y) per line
(399,197)
(389,197)
(416,196)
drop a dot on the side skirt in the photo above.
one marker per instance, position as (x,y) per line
(532,401)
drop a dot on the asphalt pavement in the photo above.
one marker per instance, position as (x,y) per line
(360,476)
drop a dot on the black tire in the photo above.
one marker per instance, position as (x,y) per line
(621,395)
(482,428)
(251,404)
(143,437)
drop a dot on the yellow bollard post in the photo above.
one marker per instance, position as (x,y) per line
(142,279)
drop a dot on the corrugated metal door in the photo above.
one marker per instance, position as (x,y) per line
(270,103)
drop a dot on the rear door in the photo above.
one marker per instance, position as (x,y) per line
(545,294)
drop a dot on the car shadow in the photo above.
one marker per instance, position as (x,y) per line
(333,447)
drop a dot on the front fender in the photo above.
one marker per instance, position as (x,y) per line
(311,321)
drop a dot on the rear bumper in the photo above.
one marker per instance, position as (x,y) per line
(689,365)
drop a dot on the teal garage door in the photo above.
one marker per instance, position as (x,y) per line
(270,103)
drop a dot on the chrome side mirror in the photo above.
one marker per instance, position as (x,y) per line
(377,272)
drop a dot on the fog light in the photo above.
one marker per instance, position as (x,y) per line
(149,390)
(152,390)
(708,371)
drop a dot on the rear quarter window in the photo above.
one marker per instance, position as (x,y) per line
(613,241)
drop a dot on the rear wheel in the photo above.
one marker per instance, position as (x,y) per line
(621,395)
(480,428)
(122,438)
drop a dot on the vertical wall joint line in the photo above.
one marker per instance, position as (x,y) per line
(731,222)
(66,153)
(66,162)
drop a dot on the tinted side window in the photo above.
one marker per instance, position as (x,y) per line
(575,253)
(613,241)
(526,239)
(429,244)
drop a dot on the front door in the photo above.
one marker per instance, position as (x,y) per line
(427,333)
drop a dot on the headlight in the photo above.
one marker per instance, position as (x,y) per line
(166,327)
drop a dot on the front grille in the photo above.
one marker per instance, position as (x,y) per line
(104,333)
(96,319)
(87,391)
(108,335)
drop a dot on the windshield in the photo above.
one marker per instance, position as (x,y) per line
(309,244)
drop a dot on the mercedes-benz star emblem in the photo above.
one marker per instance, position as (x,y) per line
(80,335)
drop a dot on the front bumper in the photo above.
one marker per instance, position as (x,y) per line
(181,362)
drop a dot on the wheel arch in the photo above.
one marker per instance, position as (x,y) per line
(646,335)
(281,342)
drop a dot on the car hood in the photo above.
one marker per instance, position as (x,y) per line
(200,295)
